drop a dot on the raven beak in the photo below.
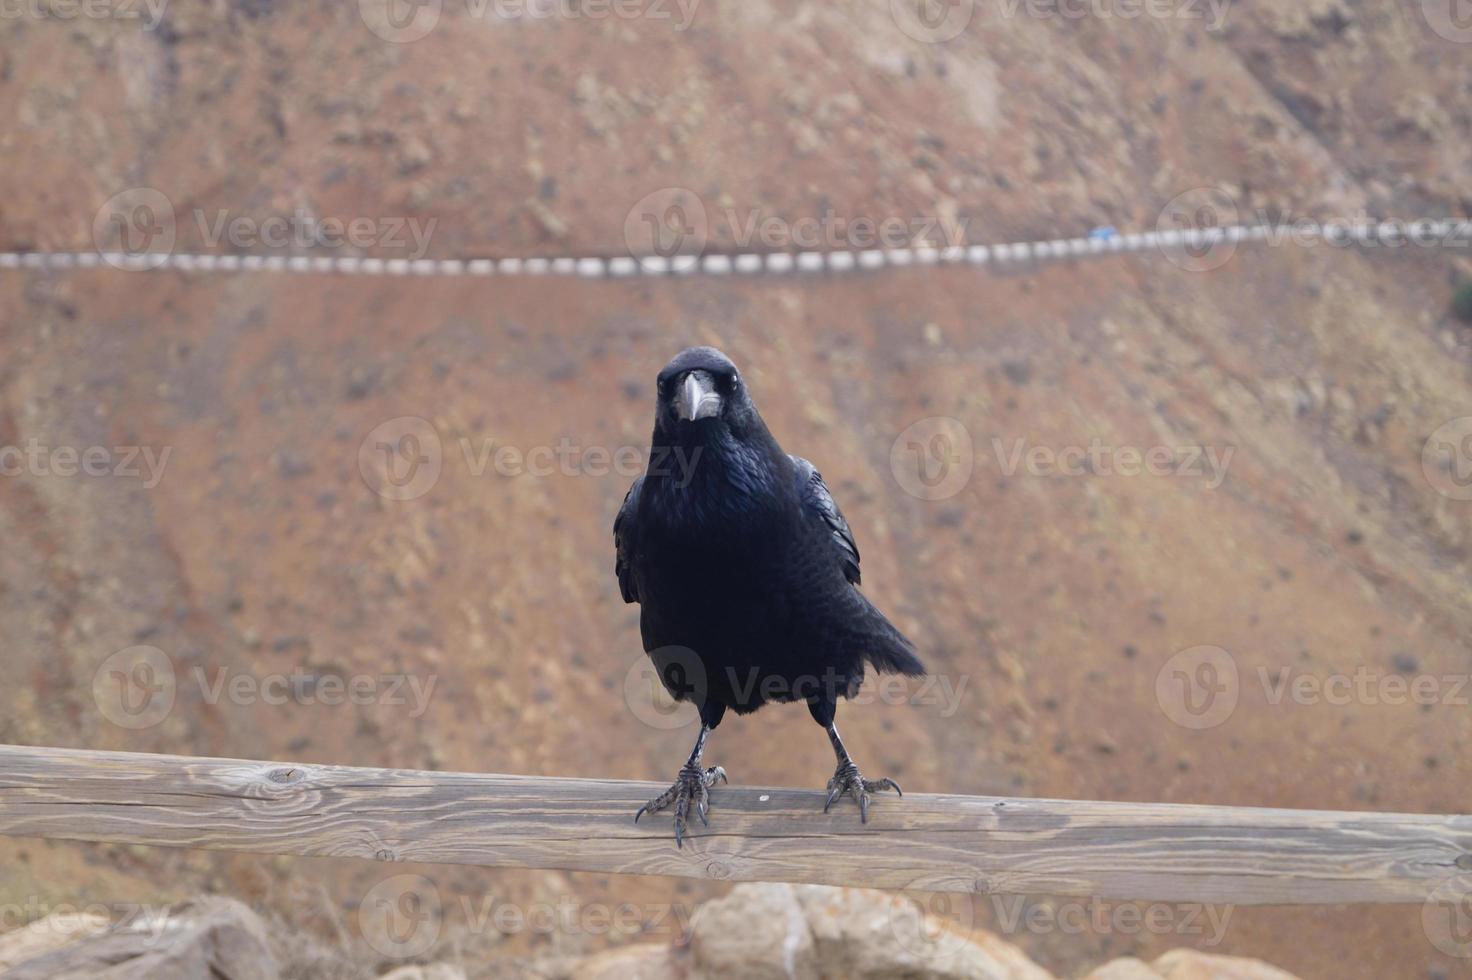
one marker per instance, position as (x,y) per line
(697,397)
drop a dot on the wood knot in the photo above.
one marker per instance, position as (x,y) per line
(718,870)
(286,774)
(1465,862)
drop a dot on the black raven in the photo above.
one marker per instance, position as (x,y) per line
(746,575)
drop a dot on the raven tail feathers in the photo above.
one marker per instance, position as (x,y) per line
(896,660)
(890,652)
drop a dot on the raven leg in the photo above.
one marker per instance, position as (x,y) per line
(692,785)
(847,780)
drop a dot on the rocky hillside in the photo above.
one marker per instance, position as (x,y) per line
(240,527)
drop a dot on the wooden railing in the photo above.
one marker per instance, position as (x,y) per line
(1155,852)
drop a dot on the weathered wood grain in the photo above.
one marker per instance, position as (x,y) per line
(1145,851)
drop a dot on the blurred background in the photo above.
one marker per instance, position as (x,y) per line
(1081,487)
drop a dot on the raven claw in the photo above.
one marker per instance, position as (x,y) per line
(692,785)
(847,780)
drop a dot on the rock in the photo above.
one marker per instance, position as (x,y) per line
(550,223)
(1303,19)
(646,961)
(757,932)
(1127,968)
(1188,964)
(431,971)
(1420,115)
(43,936)
(809,931)
(415,155)
(203,939)
(864,933)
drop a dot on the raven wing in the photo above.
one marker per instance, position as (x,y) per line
(818,503)
(625,534)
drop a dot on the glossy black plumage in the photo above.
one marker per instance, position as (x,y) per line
(744,558)
(746,573)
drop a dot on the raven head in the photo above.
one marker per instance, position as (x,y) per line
(701,385)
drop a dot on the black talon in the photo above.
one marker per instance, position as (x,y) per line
(691,787)
(847,780)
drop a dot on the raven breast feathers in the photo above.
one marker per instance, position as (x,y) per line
(817,504)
